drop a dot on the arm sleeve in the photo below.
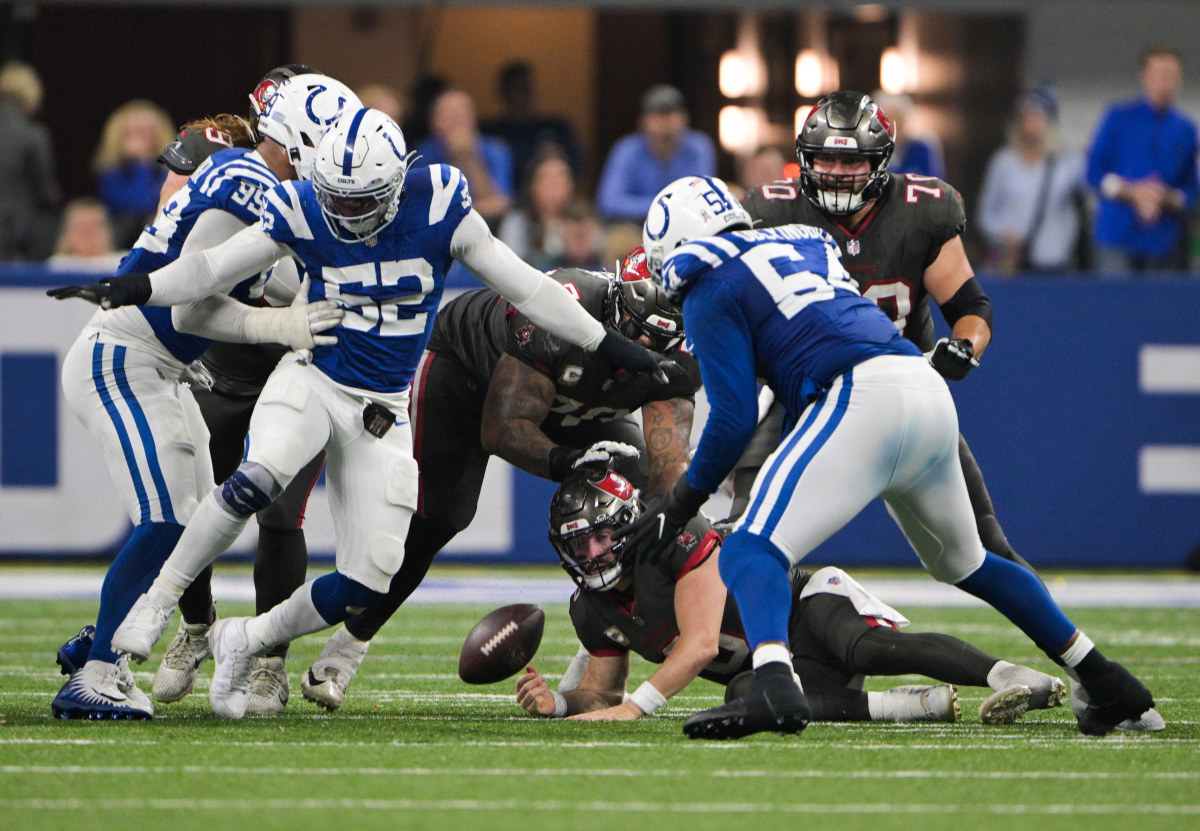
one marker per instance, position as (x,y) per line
(216,317)
(212,228)
(215,271)
(536,295)
(720,338)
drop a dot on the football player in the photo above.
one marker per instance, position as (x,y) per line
(126,376)
(676,612)
(900,238)
(378,243)
(492,382)
(872,419)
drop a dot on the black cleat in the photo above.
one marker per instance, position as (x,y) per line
(1115,696)
(774,704)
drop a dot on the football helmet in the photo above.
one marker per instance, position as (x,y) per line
(687,209)
(588,508)
(359,173)
(845,124)
(300,112)
(270,82)
(638,305)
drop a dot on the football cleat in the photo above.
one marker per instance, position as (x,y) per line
(232,665)
(102,692)
(1006,706)
(176,676)
(1148,722)
(73,654)
(1047,691)
(922,703)
(268,691)
(774,704)
(1115,696)
(142,627)
(326,681)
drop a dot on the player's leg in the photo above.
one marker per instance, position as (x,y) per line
(290,425)
(990,532)
(928,498)
(370,521)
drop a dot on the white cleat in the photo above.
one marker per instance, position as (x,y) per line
(326,681)
(176,676)
(922,703)
(268,691)
(1007,705)
(1149,722)
(142,627)
(232,664)
(1047,690)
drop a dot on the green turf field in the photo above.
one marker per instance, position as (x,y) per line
(415,748)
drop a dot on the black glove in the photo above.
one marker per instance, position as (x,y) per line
(600,455)
(953,359)
(652,534)
(110,293)
(619,352)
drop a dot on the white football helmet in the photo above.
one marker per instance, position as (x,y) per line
(359,173)
(687,209)
(300,112)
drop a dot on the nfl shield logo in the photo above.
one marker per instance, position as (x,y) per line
(853,247)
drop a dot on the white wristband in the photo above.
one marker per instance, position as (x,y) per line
(648,698)
(1111,184)
(560,705)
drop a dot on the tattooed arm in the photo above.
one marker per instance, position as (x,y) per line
(668,427)
(518,401)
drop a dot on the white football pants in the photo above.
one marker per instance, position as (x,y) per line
(888,428)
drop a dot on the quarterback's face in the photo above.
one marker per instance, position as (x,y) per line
(593,552)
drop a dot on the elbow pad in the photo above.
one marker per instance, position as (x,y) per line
(968,300)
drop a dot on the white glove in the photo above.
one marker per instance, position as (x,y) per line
(298,326)
(603,452)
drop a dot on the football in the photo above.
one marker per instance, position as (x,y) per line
(501,644)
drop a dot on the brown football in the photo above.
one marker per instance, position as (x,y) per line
(501,644)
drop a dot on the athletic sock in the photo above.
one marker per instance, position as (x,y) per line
(1021,597)
(209,534)
(756,573)
(130,574)
(196,603)
(291,619)
(280,566)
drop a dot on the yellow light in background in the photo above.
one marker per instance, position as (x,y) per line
(741,73)
(809,74)
(741,129)
(893,71)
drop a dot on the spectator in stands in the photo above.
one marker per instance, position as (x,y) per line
(585,243)
(1143,164)
(661,151)
(28,186)
(525,130)
(128,177)
(454,139)
(86,241)
(765,165)
(1032,209)
(534,230)
(917,153)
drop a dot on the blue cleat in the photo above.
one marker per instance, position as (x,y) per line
(73,654)
(102,692)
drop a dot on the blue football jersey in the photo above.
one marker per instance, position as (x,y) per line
(390,285)
(774,303)
(235,181)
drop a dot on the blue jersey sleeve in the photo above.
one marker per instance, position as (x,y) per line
(720,338)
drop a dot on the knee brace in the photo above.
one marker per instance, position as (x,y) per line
(337,597)
(250,489)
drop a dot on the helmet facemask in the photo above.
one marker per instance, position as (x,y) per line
(851,126)
(589,508)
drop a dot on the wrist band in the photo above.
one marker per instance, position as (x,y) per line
(560,704)
(648,698)
(1111,185)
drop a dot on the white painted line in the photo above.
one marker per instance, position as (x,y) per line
(1169,369)
(1169,468)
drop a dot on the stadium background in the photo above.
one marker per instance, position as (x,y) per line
(1084,416)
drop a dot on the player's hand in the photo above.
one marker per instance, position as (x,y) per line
(310,319)
(619,352)
(625,711)
(111,292)
(563,460)
(953,359)
(533,693)
(652,534)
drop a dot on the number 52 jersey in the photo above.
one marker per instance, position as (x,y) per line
(887,254)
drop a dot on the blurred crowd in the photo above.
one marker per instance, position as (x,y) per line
(1126,204)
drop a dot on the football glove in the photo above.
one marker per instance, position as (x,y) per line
(110,293)
(563,460)
(652,534)
(619,352)
(953,359)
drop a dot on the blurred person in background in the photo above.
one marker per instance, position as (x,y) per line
(454,139)
(29,190)
(534,229)
(85,242)
(128,177)
(585,242)
(1142,162)
(765,165)
(916,153)
(1033,208)
(384,98)
(528,132)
